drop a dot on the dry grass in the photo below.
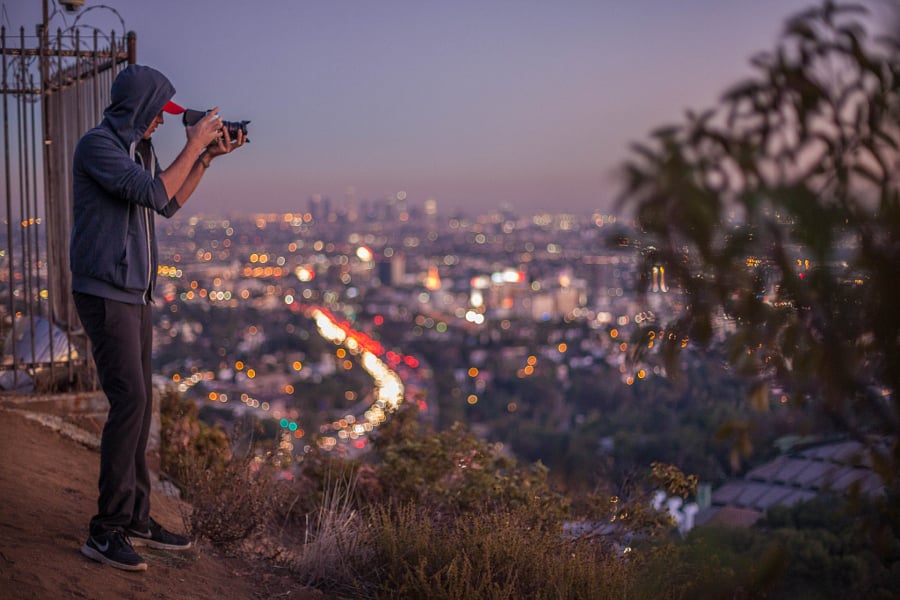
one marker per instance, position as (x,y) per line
(333,538)
(495,555)
(333,532)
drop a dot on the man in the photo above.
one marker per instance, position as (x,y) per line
(118,186)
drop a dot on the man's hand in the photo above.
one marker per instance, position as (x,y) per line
(205,131)
(223,144)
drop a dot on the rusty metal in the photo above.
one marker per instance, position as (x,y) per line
(54,88)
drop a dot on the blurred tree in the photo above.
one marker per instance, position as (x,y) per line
(778,214)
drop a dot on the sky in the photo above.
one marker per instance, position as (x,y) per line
(526,104)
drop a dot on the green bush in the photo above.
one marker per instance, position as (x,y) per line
(454,472)
(186,442)
(825,548)
(446,515)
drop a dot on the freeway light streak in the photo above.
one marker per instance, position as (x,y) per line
(388,387)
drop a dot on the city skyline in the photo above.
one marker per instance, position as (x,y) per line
(525,105)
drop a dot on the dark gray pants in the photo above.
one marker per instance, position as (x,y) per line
(122,338)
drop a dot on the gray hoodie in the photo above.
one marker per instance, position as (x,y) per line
(112,252)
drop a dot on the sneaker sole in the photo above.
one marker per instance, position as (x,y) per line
(96,555)
(139,541)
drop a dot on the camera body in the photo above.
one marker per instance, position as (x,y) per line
(191,116)
(72,5)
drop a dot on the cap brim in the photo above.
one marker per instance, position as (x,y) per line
(172,108)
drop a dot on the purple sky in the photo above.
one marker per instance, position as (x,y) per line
(476,103)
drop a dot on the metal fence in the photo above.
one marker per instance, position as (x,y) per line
(54,88)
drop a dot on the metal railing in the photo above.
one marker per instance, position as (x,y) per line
(53,89)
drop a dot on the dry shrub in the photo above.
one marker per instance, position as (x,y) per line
(232,495)
(333,538)
(230,503)
(187,444)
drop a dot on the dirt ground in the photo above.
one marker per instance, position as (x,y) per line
(48,486)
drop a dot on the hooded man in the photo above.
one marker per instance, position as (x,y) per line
(118,186)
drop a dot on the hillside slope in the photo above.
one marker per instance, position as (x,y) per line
(47,495)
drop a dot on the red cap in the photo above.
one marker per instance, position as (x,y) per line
(172,108)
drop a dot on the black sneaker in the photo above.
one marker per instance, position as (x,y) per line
(112,548)
(157,536)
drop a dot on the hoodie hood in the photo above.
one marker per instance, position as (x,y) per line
(137,95)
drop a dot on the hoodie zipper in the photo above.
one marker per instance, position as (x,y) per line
(147,216)
(149,256)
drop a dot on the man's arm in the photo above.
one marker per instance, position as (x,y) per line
(200,135)
(193,179)
(221,145)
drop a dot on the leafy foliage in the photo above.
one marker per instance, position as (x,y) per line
(454,472)
(818,549)
(445,515)
(778,213)
(185,439)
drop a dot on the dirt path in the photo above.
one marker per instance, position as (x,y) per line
(48,494)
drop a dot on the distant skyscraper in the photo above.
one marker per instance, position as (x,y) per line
(391,270)
(398,268)
(314,207)
(389,208)
(352,204)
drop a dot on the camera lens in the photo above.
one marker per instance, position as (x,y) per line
(234,126)
(190,117)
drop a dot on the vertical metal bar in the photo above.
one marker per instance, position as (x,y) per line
(24,233)
(41,250)
(47,130)
(56,119)
(132,48)
(38,222)
(51,288)
(59,148)
(29,234)
(9,215)
(96,78)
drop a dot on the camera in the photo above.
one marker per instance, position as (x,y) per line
(190,117)
(72,5)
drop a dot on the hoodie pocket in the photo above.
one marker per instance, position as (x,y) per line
(132,270)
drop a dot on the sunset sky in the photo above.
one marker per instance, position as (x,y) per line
(476,103)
